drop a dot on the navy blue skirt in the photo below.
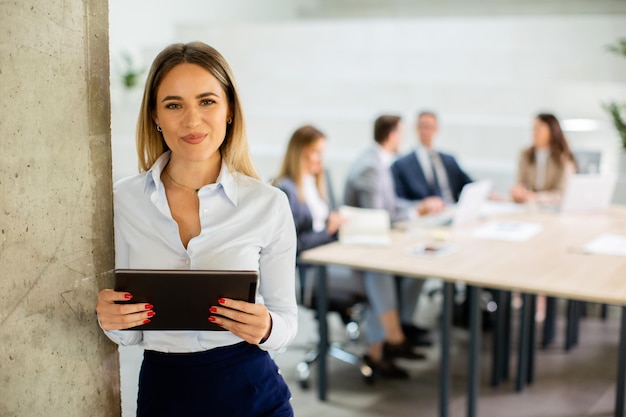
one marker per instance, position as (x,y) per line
(233,381)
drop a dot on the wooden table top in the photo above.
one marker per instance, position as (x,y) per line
(552,262)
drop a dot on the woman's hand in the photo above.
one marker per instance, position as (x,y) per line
(121,316)
(334,222)
(251,322)
(519,193)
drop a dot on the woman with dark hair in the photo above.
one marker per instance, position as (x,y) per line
(545,166)
(197,203)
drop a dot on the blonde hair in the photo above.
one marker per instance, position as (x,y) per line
(150,143)
(291,168)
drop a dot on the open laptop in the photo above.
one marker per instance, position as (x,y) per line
(466,210)
(588,193)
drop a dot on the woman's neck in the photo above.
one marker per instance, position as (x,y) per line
(194,174)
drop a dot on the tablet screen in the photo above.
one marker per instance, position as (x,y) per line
(181,298)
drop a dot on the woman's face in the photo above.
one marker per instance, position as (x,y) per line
(192,110)
(541,134)
(312,157)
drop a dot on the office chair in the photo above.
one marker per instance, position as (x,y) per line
(346,297)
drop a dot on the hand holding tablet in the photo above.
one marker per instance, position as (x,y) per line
(182,298)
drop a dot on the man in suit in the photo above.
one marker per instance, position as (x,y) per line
(426,172)
(370,185)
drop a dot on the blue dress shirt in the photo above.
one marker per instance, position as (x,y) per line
(245,225)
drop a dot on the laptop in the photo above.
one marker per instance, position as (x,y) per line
(588,193)
(182,298)
(467,210)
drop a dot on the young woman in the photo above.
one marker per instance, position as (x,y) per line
(197,204)
(545,166)
(303,179)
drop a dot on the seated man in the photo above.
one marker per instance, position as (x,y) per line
(425,172)
(369,184)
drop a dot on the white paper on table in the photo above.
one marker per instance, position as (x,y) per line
(364,226)
(507,230)
(607,244)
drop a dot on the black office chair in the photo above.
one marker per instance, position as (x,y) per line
(346,297)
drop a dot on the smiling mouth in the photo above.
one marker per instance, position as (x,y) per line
(194,137)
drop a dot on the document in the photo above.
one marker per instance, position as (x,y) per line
(507,230)
(607,244)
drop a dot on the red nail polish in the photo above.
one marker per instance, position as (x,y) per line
(148,306)
(211,319)
(128,296)
(221,301)
(213,309)
(151,313)
(146,321)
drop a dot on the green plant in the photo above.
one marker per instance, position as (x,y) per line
(130,74)
(618,110)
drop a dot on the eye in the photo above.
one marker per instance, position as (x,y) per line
(172,106)
(207,102)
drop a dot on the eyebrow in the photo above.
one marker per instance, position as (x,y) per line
(203,95)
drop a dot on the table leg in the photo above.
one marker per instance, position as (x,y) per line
(621,368)
(322,308)
(522,360)
(506,361)
(530,376)
(474,353)
(444,367)
(498,339)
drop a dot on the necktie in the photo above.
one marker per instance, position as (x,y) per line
(435,186)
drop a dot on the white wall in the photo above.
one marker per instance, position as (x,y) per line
(486,77)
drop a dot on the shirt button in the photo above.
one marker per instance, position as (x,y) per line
(188,261)
(205,211)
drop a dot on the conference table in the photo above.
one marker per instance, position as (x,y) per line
(554,262)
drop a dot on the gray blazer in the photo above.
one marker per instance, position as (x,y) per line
(370,185)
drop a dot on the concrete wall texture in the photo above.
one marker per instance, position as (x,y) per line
(56,209)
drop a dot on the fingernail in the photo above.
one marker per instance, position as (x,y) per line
(211,319)
(148,306)
(146,321)
(221,301)
(128,296)
(151,313)
(213,309)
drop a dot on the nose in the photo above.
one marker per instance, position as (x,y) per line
(192,117)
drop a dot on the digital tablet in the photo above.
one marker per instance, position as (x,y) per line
(181,298)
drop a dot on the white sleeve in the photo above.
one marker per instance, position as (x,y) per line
(277,277)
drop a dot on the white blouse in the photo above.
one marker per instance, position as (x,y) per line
(317,206)
(245,225)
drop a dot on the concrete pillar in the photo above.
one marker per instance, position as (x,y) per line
(56,235)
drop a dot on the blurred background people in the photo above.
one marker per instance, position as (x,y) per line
(545,166)
(303,179)
(427,175)
(390,331)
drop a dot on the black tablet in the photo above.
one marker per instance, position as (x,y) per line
(181,298)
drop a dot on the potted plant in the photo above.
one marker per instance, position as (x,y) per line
(130,73)
(615,109)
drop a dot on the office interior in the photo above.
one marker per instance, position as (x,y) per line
(486,68)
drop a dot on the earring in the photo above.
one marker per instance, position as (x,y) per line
(159,128)
(230,120)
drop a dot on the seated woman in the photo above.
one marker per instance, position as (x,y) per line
(545,166)
(302,178)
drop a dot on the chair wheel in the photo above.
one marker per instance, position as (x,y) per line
(303,374)
(367,373)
